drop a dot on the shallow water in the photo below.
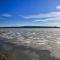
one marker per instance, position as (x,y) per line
(34,43)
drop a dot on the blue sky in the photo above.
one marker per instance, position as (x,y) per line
(29,12)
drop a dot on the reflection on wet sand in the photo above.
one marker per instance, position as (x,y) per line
(21,52)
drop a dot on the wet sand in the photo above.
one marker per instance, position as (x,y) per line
(21,52)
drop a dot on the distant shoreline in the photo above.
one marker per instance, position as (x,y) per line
(32,27)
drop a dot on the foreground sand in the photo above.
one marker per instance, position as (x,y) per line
(15,52)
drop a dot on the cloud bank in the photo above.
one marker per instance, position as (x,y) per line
(46,15)
(58,7)
(6,15)
(55,16)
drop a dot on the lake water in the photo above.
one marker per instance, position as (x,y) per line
(36,43)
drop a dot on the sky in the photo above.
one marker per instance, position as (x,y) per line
(29,13)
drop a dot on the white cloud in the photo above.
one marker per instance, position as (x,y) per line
(52,18)
(45,15)
(47,19)
(39,20)
(6,15)
(58,7)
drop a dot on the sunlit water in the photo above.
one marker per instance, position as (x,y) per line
(36,38)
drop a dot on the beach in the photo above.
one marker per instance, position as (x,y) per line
(30,44)
(23,53)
